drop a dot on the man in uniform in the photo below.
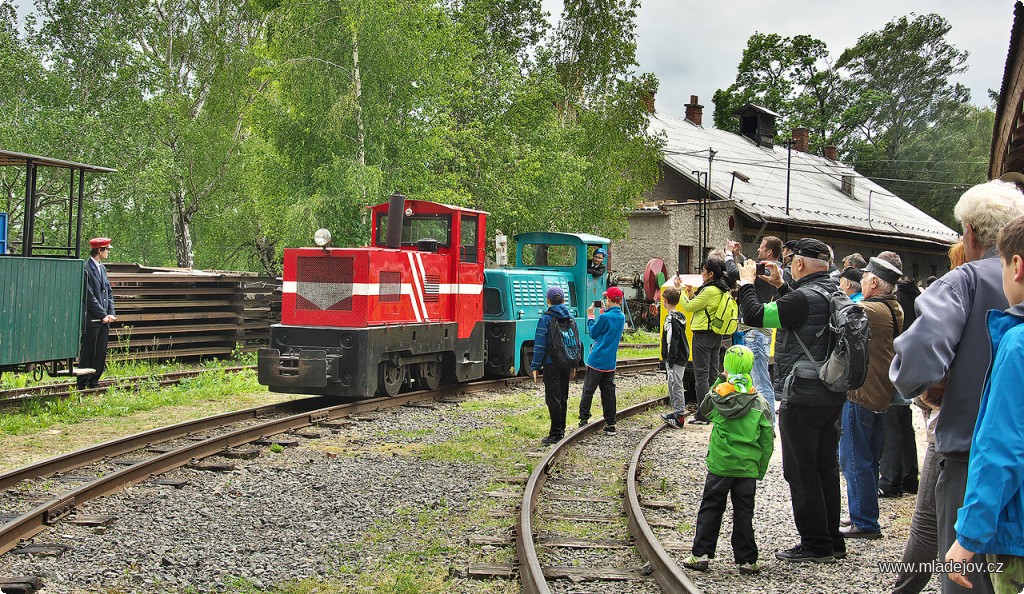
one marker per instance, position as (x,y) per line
(99,313)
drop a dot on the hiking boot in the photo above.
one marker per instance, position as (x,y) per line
(610,430)
(799,554)
(750,568)
(696,563)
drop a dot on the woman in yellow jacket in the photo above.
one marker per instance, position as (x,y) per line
(707,345)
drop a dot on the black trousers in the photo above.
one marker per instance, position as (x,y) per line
(810,441)
(591,382)
(898,467)
(94,354)
(709,519)
(707,364)
(556,396)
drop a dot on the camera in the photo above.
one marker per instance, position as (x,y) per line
(761,269)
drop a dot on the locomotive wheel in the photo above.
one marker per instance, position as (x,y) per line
(389,379)
(429,375)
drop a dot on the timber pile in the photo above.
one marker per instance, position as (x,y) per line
(178,313)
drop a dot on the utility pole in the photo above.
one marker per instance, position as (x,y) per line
(701,233)
(707,207)
(789,164)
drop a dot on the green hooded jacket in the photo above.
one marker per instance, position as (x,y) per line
(742,438)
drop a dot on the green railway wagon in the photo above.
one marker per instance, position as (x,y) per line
(40,310)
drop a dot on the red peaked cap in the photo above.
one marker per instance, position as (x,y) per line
(99,242)
(614,293)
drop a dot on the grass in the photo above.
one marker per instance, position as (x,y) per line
(640,337)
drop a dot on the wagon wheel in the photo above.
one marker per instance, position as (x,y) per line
(389,379)
(429,375)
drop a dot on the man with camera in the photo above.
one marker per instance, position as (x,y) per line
(759,340)
(809,410)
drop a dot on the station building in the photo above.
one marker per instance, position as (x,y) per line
(757,188)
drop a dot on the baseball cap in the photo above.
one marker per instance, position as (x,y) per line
(812,248)
(614,293)
(854,274)
(555,293)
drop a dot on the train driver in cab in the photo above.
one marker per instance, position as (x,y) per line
(596,267)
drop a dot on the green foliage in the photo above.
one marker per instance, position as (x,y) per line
(889,103)
(239,128)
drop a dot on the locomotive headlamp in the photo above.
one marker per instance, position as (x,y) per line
(322,238)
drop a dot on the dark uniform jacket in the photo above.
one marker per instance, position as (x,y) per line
(799,311)
(99,297)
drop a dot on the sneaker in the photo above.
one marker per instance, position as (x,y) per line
(799,554)
(551,439)
(696,563)
(750,568)
(610,430)
(583,422)
(845,522)
(673,421)
(699,422)
(889,494)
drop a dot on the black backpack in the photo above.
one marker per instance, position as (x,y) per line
(846,366)
(564,343)
(674,349)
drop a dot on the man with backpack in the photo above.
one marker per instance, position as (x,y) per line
(810,409)
(860,445)
(556,350)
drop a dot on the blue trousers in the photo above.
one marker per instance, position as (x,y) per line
(860,449)
(761,343)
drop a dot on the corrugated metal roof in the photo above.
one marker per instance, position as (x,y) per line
(815,192)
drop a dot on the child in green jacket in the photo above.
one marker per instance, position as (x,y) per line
(738,453)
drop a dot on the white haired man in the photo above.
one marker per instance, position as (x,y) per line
(950,339)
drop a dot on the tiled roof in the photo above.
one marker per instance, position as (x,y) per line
(816,198)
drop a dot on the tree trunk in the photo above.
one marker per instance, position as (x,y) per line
(183,247)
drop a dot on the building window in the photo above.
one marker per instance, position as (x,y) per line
(684,260)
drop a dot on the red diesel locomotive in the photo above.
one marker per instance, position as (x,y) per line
(407,310)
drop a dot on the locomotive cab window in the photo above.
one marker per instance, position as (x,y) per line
(544,254)
(469,252)
(418,227)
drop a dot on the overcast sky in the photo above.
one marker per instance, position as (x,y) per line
(694,47)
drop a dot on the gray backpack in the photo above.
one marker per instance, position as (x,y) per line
(846,366)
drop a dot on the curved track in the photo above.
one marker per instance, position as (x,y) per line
(663,568)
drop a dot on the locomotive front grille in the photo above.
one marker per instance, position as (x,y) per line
(390,287)
(323,283)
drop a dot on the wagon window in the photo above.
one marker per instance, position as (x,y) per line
(544,254)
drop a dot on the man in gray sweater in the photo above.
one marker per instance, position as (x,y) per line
(950,339)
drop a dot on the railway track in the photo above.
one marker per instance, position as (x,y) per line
(659,564)
(107,468)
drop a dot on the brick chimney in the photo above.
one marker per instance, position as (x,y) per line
(830,152)
(801,139)
(694,110)
(648,98)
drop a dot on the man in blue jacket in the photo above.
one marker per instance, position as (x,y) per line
(990,520)
(949,340)
(606,332)
(556,379)
(99,313)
